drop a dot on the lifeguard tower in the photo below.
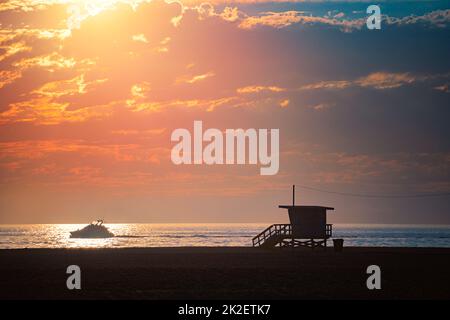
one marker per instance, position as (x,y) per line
(308,228)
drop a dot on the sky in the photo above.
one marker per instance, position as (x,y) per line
(90,92)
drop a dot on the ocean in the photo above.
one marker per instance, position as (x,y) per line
(232,234)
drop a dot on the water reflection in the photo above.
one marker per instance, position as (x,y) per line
(176,235)
(129,235)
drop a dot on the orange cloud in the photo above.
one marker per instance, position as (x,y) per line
(256,89)
(140,38)
(12,49)
(139,132)
(51,62)
(43,110)
(202,104)
(272,19)
(8,76)
(284,103)
(194,79)
(287,18)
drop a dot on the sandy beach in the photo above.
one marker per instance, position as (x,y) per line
(225,273)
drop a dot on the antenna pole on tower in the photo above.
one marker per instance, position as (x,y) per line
(293,195)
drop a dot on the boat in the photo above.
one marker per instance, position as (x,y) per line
(94,230)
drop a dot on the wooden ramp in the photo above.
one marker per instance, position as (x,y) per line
(281,235)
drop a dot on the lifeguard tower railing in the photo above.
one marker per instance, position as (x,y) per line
(276,233)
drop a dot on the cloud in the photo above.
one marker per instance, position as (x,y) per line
(44,110)
(195,78)
(132,132)
(376,80)
(69,162)
(140,38)
(340,84)
(257,89)
(12,49)
(8,76)
(76,85)
(139,92)
(284,103)
(287,18)
(51,62)
(393,172)
(444,88)
(201,104)
(231,14)
(163,45)
(117,65)
(435,19)
(272,19)
(54,77)
(384,80)
(77,67)
(320,106)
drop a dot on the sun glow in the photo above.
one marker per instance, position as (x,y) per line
(77,10)
(81,9)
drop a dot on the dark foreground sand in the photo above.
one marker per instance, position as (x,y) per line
(224,273)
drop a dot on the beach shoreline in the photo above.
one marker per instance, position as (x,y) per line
(225,273)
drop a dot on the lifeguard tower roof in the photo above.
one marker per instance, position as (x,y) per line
(304,207)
